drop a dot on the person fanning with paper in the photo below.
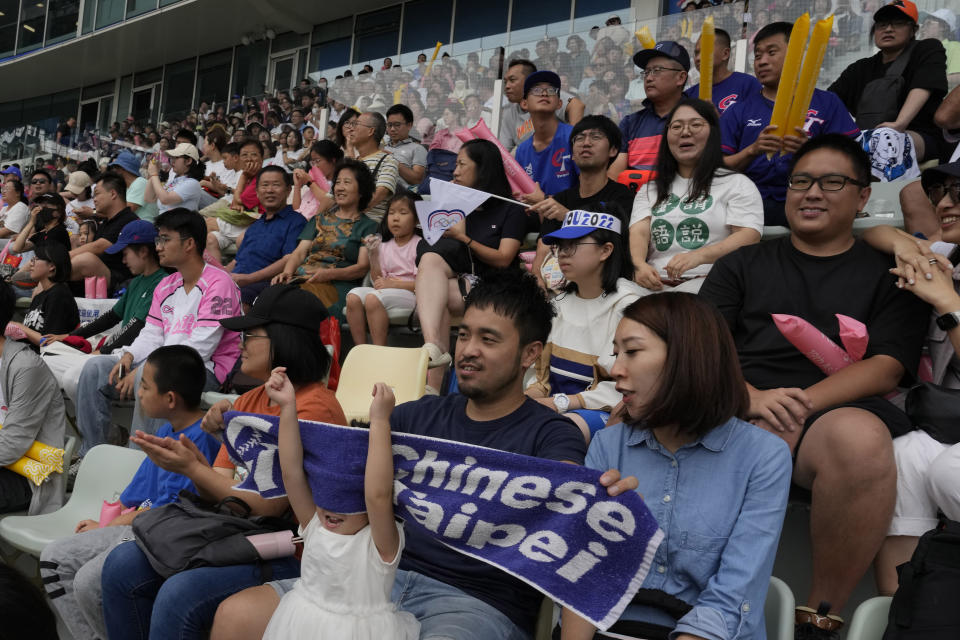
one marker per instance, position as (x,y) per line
(488,238)
(717,485)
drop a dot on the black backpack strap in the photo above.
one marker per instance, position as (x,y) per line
(897,67)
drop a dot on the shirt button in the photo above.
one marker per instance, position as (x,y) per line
(666,498)
(661,569)
(746,607)
(673,463)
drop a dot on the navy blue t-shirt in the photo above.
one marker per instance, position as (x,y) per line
(531,430)
(729,91)
(552,167)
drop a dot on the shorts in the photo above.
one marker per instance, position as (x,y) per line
(594,418)
(896,420)
(391,299)
(227,234)
(454,253)
(936,147)
(927,473)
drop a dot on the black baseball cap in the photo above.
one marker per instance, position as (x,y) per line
(665,49)
(933,175)
(537,77)
(282,304)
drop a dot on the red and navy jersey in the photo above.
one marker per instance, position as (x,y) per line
(728,92)
(552,167)
(641,133)
(741,125)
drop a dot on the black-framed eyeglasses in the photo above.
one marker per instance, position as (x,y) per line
(653,72)
(395,125)
(244,336)
(592,135)
(568,248)
(828,182)
(936,192)
(896,24)
(544,91)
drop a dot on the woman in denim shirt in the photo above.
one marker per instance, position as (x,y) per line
(717,485)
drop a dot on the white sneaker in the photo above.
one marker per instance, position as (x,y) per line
(438,358)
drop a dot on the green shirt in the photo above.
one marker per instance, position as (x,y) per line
(134,304)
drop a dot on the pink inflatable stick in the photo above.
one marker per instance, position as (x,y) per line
(520,182)
(854,336)
(818,348)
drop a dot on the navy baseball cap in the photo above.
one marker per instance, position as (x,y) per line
(666,49)
(136,232)
(537,77)
(933,175)
(578,223)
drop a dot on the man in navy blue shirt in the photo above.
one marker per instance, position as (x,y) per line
(746,134)
(265,244)
(728,86)
(545,155)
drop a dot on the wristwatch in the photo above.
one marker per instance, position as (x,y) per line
(949,320)
(562,402)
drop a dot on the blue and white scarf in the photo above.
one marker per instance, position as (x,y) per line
(550,524)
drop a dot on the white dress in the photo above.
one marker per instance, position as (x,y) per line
(343,592)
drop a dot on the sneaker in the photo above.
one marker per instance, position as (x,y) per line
(438,358)
(817,625)
(72,473)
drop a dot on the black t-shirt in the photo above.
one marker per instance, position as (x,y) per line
(53,311)
(613,198)
(774,277)
(927,69)
(110,229)
(531,430)
(494,220)
(58,234)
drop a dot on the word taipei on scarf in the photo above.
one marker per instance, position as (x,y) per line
(550,524)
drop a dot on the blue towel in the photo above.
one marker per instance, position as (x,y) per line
(548,523)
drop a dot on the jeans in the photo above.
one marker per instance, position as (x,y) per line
(447,613)
(95,395)
(139,604)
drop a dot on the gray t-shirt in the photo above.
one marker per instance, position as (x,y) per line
(409,153)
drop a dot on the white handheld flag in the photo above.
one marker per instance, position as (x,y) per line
(449,204)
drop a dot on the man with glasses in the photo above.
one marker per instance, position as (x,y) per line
(838,425)
(411,156)
(186,309)
(924,80)
(746,135)
(92,259)
(545,155)
(515,124)
(367,135)
(664,73)
(595,143)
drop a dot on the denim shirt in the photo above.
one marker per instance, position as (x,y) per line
(720,502)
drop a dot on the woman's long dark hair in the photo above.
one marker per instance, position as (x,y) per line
(339,138)
(491,176)
(708,167)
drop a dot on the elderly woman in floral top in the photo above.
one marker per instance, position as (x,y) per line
(331,258)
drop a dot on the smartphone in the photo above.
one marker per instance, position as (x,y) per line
(120,374)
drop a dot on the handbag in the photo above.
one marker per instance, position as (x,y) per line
(936,410)
(194,533)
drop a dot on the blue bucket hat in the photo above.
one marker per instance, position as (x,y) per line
(578,223)
(136,232)
(128,162)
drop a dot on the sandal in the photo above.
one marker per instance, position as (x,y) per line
(438,358)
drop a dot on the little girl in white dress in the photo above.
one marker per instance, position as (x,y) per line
(352,543)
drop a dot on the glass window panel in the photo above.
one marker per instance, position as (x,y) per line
(250,69)
(424,23)
(165,3)
(478,19)
(213,77)
(89,14)
(536,13)
(32,20)
(8,27)
(289,40)
(148,77)
(335,53)
(123,98)
(377,35)
(178,87)
(9,118)
(64,104)
(109,12)
(596,7)
(138,7)
(62,20)
(97,90)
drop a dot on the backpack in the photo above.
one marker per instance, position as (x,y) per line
(927,602)
(194,533)
(440,165)
(880,100)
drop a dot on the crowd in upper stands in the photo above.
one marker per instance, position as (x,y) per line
(677,347)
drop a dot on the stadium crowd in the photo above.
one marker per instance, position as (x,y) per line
(624,314)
